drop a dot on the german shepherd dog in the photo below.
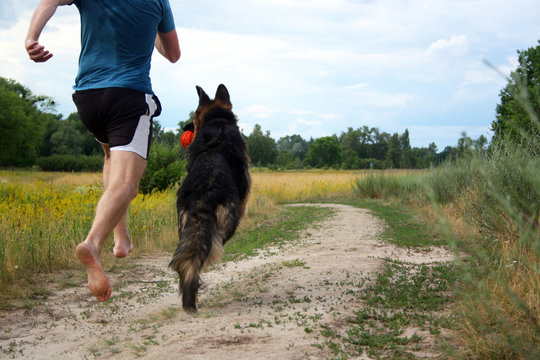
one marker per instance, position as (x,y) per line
(213,196)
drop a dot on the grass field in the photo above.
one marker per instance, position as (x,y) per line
(45,215)
(485,207)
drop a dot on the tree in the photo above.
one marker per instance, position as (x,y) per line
(66,140)
(393,155)
(323,152)
(422,158)
(380,145)
(405,161)
(350,147)
(157,130)
(292,150)
(519,111)
(22,123)
(181,123)
(68,137)
(294,144)
(261,147)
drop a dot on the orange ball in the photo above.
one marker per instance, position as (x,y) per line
(186,138)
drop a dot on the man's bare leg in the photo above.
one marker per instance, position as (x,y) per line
(125,170)
(122,240)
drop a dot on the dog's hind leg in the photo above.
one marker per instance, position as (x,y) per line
(228,218)
(195,233)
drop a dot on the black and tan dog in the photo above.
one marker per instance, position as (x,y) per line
(214,194)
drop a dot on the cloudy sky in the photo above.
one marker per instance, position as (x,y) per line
(313,67)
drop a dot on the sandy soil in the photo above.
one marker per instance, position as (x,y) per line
(268,307)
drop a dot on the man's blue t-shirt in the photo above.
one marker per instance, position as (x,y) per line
(117,41)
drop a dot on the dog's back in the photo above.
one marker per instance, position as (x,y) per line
(214,194)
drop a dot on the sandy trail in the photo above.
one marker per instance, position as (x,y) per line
(267,307)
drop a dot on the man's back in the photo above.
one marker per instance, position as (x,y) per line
(117,41)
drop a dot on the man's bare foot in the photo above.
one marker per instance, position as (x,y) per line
(98,283)
(122,247)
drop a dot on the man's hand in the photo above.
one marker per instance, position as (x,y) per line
(44,11)
(37,52)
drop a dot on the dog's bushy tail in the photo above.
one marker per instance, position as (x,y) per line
(200,245)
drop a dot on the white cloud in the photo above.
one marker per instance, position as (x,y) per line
(324,116)
(356,86)
(456,46)
(256,111)
(306,128)
(381,99)
(313,67)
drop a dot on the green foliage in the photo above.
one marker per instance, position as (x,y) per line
(399,298)
(324,152)
(164,169)
(261,147)
(501,293)
(452,179)
(292,221)
(292,150)
(403,187)
(519,109)
(496,193)
(66,162)
(393,156)
(28,131)
(507,189)
(404,227)
(22,123)
(405,156)
(423,158)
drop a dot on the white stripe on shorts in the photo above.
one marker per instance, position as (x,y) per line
(140,141)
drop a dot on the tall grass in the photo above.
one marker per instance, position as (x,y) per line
(385,185)
(45,215)
(491,204)
(43,221)
(312,185)
(500,305)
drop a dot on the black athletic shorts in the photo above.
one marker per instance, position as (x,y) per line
(119,117)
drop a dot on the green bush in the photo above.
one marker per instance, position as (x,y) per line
(451,179)
(165,169)
(501,292)
(376,186)
(370,164)
(77,163)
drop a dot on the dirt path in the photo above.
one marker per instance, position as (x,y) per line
(268,307)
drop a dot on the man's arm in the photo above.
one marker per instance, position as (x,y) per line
(44,11)
(168,46)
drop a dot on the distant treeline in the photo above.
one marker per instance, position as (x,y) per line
(31,133)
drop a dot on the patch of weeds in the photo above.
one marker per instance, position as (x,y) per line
(170,313)
(95,351)
(112,341)
(404,228)
(291,222)
(86,314)
(401,297)
(138,349)
(420,287)
(294,300)
(294,263)
(150,340)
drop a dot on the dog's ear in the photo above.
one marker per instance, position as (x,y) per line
(203,98)
(222,94)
